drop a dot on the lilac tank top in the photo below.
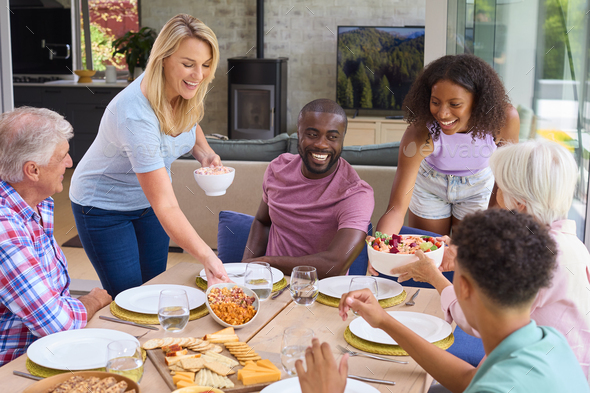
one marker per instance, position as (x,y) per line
(460,155)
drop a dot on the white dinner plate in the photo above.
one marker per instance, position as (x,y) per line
(291,385)
(337,286)
(81,349)
(145,299)
(239,268)
(429,327)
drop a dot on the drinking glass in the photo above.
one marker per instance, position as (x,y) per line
(173,311)
(295,342)
(124,358)
(304,285)
(361,283)
(258,278)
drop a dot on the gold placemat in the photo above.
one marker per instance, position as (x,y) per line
(202,284)
(383,349)
(46,372)
(151,319)
(385,303)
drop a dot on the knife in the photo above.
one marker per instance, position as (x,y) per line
(276,295)
(371,380)
(128,323)
(25,375)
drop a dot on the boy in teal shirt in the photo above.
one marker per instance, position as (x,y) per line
(503,259)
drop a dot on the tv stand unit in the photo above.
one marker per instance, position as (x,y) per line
(372,130)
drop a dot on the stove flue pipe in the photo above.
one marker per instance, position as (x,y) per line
(260,29)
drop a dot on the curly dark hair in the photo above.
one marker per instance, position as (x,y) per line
(488,114)
(509,255)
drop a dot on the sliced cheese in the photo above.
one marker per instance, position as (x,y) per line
(177,378)
(175,359)
(251,378)
(267,363)
(183,384)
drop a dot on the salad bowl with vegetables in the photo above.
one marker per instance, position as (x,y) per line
(388,252)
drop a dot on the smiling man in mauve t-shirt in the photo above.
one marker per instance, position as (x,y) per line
(315,209)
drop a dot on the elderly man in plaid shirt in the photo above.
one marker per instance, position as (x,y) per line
(34,296)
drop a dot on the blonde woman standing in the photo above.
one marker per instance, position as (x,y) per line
(121,192)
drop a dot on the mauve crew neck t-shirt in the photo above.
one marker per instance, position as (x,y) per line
(307,213)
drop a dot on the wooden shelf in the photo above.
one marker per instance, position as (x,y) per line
(367,130)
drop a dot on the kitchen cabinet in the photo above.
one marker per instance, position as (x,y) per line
(81,105)
(367,130)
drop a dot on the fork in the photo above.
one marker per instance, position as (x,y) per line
(141,335)
(351,353)
(236,274)
(411,302)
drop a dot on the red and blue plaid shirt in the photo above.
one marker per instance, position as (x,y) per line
(34,280)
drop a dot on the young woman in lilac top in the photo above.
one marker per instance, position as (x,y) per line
(458,112)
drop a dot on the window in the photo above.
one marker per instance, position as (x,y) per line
(109,20)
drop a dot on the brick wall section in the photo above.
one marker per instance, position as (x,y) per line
(303,31)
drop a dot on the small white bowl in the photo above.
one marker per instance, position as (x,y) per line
(383,262)
(230,285)
(215,185)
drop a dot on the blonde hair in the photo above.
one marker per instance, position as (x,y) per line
(191,111)
(29,134)
(539,174)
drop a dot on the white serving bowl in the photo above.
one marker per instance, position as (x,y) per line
(383,262)
(230,285)
(215,185)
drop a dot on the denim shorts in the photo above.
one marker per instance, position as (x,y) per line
(437,196)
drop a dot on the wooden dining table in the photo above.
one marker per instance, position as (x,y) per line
(264,335)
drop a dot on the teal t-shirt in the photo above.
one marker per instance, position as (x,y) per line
(129,141)
(532,359)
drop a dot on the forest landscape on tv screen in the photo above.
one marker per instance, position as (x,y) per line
(377,65)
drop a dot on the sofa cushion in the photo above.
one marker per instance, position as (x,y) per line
(384,154)
(250,149)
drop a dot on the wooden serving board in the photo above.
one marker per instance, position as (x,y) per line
(157,358)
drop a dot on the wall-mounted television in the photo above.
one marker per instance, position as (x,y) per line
(377,65)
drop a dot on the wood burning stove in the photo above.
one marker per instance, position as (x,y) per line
(257,98)
(257,88)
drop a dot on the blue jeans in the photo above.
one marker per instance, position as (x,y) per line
(126,248)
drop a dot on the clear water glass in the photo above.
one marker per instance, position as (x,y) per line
(173,310)
(304,285)
(258,278)
(295,342)
(361,283)
(124,358)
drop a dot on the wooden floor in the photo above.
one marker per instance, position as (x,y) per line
(79,266)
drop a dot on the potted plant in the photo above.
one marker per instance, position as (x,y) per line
(136,47)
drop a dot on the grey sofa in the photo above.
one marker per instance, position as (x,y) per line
(375,164)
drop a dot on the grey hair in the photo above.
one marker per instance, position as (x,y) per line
(539,174)
(29,134)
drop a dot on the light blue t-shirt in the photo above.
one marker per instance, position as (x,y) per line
(129,141)
(532,359)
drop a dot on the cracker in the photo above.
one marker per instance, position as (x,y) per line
(168,341)
(249,358)
(192,363)
(218,368)
(216,349)
(153,343)
(235,344)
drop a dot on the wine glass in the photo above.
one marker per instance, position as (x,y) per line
(295,342)
(361,283)
(173,311)
(124,358)
(304,285)
(258,278)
